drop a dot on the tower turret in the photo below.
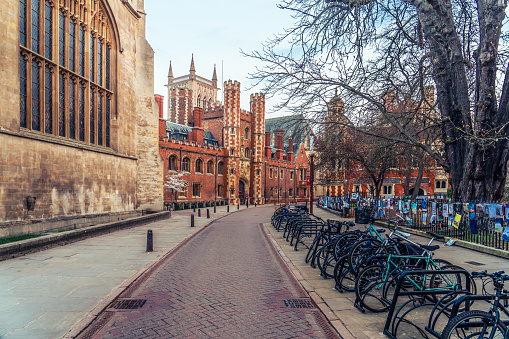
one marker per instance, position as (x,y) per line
(192,69)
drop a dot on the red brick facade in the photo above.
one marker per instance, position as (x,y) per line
(248,168)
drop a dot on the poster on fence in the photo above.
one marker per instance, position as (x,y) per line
(424,218)
(457,220)
(414,207)
(434,208)
(445,211)
(492,211)
(507,212)
(499,225)
(450,221)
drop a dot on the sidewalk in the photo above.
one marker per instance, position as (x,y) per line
(339,307)
(45,294)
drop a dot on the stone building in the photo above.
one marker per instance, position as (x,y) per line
(226,153)
(79,122)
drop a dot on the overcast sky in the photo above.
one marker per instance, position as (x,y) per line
(215,32)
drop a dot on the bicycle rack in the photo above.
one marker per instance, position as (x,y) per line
(418,298)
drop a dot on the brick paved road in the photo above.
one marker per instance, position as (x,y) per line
(226,282)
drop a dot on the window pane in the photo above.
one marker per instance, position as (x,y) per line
(99,118)
(23,23)
(107,122)
(72,43)
(92,57)
(36,92)
(92,117)
(22,91)
(48,101)
(99,63)
(36,9)
(61,38)
(81,51)
(48,30)
(107,67)
(61,105)
(81,112)
(72,108)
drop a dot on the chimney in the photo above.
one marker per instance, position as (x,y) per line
(268,151)
(279,134)
(289,154)
(197,134)
(160,101)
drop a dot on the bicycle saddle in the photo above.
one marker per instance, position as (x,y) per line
(430,248)
(434,235)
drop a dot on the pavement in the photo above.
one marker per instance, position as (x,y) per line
(57,292)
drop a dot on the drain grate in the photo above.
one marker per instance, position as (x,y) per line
(128,304)
(475,263)
(299,303)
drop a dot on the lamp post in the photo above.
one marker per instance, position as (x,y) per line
(312,175)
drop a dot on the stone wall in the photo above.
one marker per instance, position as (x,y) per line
(71,178)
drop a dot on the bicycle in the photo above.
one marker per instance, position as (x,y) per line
(374,283)
(482,324)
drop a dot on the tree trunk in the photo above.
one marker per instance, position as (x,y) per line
(418,181)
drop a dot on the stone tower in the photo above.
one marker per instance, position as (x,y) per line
(232,135)
(257,103)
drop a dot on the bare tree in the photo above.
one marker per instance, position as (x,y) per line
(366,47)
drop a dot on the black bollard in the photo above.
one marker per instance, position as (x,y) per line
(150,241)
(214,208)
(255,204)
(228,208)
(199,212)
(247,204)
(238,206)
(192,220)
(208,214)
(194,207)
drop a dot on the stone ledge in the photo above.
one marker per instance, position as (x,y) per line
(20,248)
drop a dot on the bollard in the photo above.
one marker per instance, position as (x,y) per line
(228,208)
(214,208)
(208,214)
(199,212)
(255,204)
(192,220)
(238,206)
(194,207)
(150,241)
(247,204)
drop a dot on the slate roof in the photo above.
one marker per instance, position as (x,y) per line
(174,128)
(295,126)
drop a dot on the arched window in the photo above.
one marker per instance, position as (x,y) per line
(69,93)
(185,165)
(204,102)
(172,163)
(220,168)
(246,152)
(210,167)
(198,101)
(199,166)
(246,133)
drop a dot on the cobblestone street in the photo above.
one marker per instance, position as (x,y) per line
(227,282)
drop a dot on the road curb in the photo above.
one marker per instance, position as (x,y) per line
(324,308)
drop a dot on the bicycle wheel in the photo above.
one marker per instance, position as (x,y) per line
(344,242)
(344,277)
(362,249)
(474,324)
(322,260)
(451,281)
(369,289)
(313,248)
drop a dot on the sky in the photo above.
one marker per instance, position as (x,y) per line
(215,32)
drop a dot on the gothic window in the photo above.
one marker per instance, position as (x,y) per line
(246,133)
(290,192)
(198,102)
(246,153)
(220,168)
(291,175)
(64,92)
(199,166)
(210,167)
(185,165)
(172,163)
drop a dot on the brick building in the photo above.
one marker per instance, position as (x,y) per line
(226,153)
(78,118)
(355,180)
